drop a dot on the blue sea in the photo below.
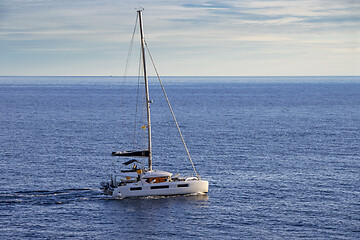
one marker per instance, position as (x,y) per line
(281,154)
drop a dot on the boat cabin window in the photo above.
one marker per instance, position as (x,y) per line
(183,185)
(135,188)
(158,187)
(157,180)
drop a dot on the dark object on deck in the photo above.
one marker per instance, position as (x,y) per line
(144,153)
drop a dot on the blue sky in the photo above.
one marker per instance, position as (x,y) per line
(186,38)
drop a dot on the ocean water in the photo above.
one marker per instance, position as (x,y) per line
(282,156)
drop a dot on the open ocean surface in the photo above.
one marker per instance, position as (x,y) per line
(282,155)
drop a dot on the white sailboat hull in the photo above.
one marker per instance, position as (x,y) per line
(142,189)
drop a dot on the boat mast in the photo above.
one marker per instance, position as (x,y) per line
(146,86)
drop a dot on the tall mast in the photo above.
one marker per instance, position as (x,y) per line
(146,87)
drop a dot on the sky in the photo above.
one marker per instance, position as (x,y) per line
(186,38)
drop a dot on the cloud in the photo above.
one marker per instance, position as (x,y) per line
(280,12)
(187,32)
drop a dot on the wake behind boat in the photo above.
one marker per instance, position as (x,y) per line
(140,181)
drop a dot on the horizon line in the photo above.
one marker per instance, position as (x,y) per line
(181,76)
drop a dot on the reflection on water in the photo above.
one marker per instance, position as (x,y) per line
(155,216)
(148,204)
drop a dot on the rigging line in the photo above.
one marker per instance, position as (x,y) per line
(122,89)
(130,48)
(172,112)
(137,103)
(143,119)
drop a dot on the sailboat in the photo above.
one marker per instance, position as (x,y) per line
(141,181)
